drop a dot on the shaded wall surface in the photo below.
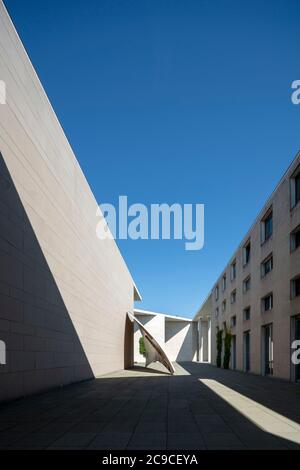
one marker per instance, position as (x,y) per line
(64,293)
(178,339)
(181,340)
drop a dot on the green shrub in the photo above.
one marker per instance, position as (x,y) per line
(219,347)
(142,346)
(227,349)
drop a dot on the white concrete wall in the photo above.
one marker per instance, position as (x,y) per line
(181,340)
(204,346)
(206,331)
(63,293)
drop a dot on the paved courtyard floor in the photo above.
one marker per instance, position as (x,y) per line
(201,407)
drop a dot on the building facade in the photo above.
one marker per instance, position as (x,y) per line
(64,294)
(257,296)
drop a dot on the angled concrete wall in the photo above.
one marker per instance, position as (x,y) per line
(177,336)
(181,340)
(155,324)
(63,293)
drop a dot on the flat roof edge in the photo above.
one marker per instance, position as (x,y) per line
(150,312)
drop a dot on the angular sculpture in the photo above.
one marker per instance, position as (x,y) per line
(154,351)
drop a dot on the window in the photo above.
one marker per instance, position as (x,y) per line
(247,284)
(295,188)
(247,312)
(267,226)
(246,252)
(233,270)
(267,302)
(217,312)
(233,321)
(233,296)
(295,238)
(224,306)
(267,350)
(217,292)
(295,287)
(246,351)
(224,282)
(267,265)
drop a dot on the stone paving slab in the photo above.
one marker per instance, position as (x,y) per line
(200,407)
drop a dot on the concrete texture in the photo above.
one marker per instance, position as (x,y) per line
(64,293)
(148,409)
(181,340)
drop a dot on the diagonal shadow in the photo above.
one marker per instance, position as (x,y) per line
(149,370)
(275,395)
(188,346)
(267,391)
(43,347)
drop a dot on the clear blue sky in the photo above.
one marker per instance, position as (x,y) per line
(173,101)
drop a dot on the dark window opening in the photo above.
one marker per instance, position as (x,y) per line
(247,252)
(267,266)
(247,314)
(267,302)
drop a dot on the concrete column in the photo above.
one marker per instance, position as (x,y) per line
(200,342)
(209,340)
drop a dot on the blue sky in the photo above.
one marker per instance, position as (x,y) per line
(173,101)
